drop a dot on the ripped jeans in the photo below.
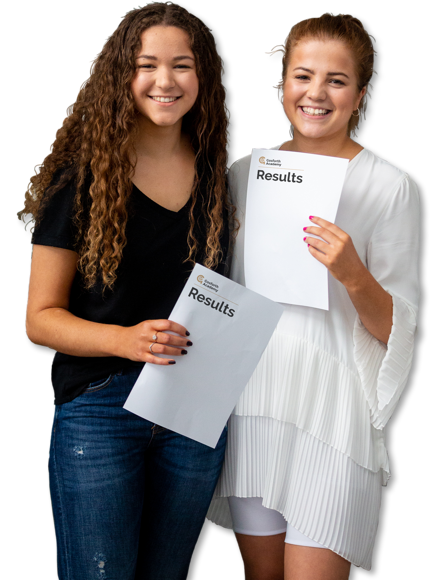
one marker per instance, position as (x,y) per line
(129,497)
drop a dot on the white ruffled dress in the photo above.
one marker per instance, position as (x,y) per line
(307,433)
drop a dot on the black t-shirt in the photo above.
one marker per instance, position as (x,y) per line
(150,277)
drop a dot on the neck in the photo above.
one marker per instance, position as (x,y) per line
(332,145)
(159,142)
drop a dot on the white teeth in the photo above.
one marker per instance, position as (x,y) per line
(165,99)
(310,111)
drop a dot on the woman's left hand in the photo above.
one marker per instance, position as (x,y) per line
(336,251)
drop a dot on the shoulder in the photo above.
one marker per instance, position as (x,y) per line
(240,168)
(63,191)
(375,177)
(376,169)
(59,195)
(55,222)
(238,180)
(381,182)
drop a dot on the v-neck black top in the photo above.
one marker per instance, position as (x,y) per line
(150,277)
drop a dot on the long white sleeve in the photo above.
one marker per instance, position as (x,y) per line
(393,260)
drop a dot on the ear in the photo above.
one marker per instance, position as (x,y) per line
(360,97)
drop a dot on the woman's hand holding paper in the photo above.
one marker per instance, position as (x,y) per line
(147,339)
(337,252)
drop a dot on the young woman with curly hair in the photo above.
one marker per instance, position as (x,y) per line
(132,193)
(306,458)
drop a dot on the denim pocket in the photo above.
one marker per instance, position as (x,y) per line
(100,384)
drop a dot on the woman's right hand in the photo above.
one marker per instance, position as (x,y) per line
(147,339)
(50,323)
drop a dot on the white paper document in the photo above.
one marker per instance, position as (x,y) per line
(284,189)
(230,327)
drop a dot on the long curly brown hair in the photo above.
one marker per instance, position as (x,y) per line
(95,146)
(348,30)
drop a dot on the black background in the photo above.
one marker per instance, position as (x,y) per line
(50,61)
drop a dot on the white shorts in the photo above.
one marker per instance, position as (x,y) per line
(250,517)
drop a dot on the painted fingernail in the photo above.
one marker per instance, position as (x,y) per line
(184,351)
(171,362)
(304,239)
(304,229)
(188,333)
(311,217)
(189,343)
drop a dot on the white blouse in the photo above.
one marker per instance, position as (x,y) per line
(323,373)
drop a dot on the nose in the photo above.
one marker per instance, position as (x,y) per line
(316,90)
(165,78)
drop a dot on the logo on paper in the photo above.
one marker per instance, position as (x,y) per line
(283,174)
(207,283)
(270,162)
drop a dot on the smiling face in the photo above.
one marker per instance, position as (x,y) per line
(165,85)
(320,91)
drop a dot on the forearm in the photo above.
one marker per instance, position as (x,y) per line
(60,330)
(50,323)
(373,304)
(336,251)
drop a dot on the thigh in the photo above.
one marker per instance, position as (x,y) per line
(306,563)
(263,556)
(181,478)
(97,480)
(260,533)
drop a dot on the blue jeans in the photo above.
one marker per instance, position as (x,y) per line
(129,497)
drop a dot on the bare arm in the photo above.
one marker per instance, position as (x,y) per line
(373,304)
(49,323)
(338,254)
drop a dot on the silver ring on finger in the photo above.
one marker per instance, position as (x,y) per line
(150,348)
(154,337)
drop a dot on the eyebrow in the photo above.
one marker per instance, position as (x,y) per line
(150,57)
(333,74)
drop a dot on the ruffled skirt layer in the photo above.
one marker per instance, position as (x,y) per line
(320,491)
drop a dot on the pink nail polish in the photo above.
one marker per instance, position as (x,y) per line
(311,217)
(304,229)
(304,239)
